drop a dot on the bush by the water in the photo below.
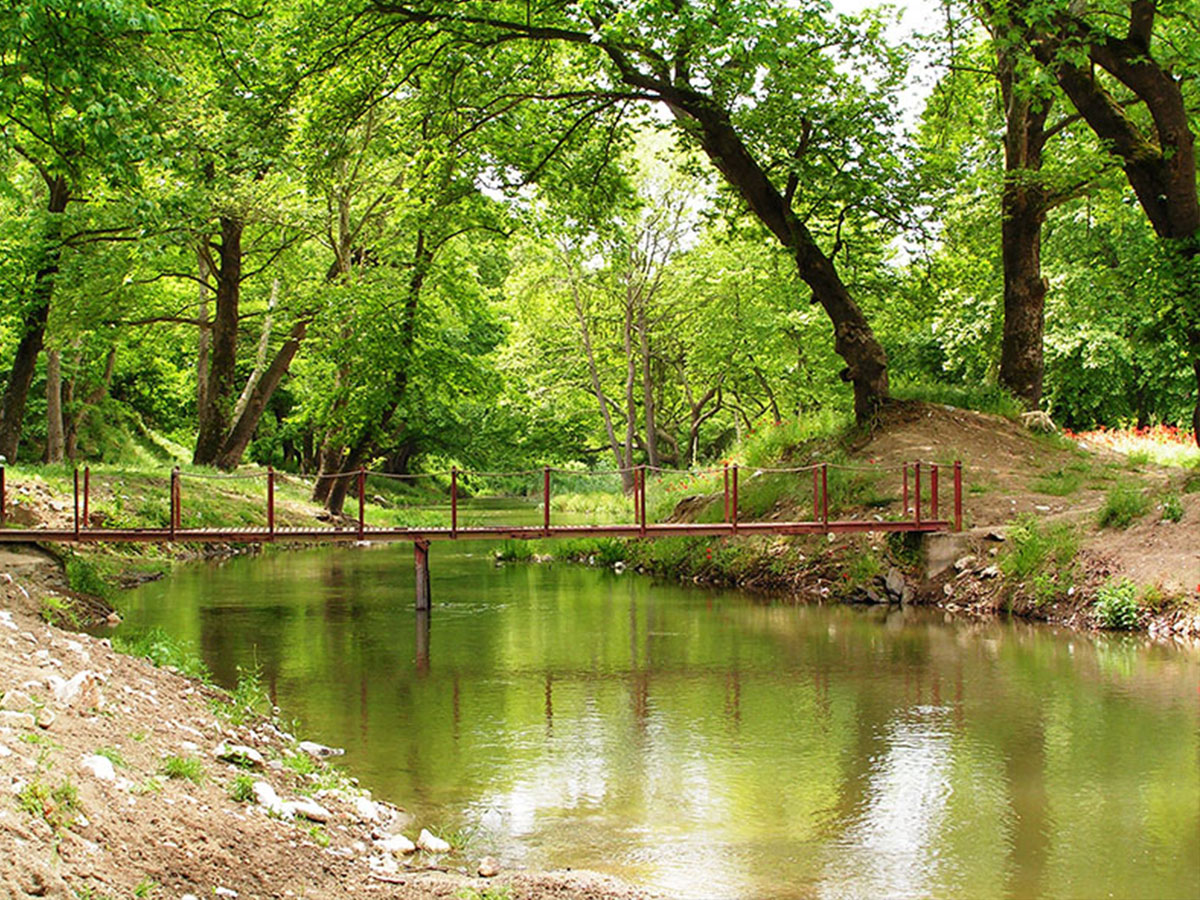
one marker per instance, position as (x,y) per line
(1116,605)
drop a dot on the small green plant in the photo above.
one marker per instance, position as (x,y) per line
(1172,508)
(147,887)
(302,764)
(1061,482)
(85,577)
(1123,503)
(161,649)
(247,701)
(60,612)
(498,892)
(56,805)
(152,784)
(1116,604)
(138,736)
(189,768)
(318,835)
(515,551)
(1034,545)
(241,789)
(113,755)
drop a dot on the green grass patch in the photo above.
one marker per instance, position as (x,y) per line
(184,768)
(248,700)
(56,805)
(1033,546)
(515,551)
(1172,507)
(241,789)
(984,398)
(1123,504)
(59,611)
(1063,481)
(161,649)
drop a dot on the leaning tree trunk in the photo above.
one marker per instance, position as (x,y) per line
(215,414)
(16,391)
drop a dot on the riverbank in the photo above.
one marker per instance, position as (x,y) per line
(124,779)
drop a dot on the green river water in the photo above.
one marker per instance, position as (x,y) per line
(710,744)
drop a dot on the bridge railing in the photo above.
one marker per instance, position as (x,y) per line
(922,493)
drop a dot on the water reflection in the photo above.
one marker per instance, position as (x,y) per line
(710,745)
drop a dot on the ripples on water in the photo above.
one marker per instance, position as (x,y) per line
(709,744)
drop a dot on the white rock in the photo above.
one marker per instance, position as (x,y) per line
(6,618)
(100,766)
(269,800)
(396,844)
(431,843)
(4,751)
(225,892)
(83,689)
(310,809)
(489,867)
(963,562)
(367,810)
(990,572)
(16,719)
(319,751)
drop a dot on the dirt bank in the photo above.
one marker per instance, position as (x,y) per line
(119,779)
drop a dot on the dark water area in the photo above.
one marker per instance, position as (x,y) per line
(709,744)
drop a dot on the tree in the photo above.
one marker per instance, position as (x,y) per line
(763,90)
(1094,53)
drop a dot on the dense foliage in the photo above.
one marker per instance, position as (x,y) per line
(411,235)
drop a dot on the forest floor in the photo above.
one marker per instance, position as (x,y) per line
(111,764)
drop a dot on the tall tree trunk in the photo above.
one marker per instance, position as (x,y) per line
(648,408)
(585,338)
(630,382)
(1023,207)
(214,418)
(204,341)
(20,377)
(260,355)
(260,395)
(55,442)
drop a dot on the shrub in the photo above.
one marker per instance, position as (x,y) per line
(1116,604)
(1172,508)
(161,649)
(1122,505)
(241,789)
(56,805)
(248,700)
(1032,546)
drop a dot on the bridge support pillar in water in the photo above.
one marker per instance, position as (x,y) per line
(421,560)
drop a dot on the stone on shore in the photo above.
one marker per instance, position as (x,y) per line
(396,844)
(309,809)
(99,766)
(239,755)
(431,843)
(319,751)
(489,867)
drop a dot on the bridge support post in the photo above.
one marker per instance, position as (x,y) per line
(421,568)
(76,504)
(3,498)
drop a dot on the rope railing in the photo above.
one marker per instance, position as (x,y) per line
(920,482)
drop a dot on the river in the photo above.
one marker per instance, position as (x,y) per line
(710,744)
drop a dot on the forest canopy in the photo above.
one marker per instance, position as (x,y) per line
(410,235)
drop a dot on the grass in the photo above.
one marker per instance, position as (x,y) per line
(1172,507)
(113,755)
(163,650)
(58,611)
(1063,481)
(147,887)
(56,805)
(1033,546)
(247,701)
(1123,504)
(184,768)
(985,398)
(241,789)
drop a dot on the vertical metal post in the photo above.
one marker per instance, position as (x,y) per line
(421,568)
(958,495)
(271,500)
(734,510)
(917,492)
(454,502)
(76,504)
(174,500)
(362,501)
(87,494)
(933,491)
(825,494)
(546,500)
(641,500)
(816,495)
(905,512)
(3,498)
(726,492)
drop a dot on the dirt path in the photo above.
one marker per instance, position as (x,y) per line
(90,738)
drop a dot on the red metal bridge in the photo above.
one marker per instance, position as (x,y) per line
(920,510)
